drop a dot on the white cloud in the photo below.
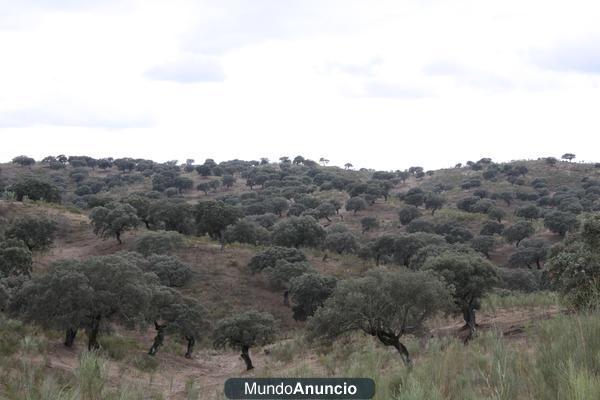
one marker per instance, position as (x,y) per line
(188,69)
(384,85)
(394,90)
(578,55)
(72,117)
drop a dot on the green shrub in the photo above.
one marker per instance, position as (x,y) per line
(116,347)
(145,363)
(159,242)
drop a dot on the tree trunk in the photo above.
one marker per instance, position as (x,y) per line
(391,339)
(190,346)
(119,238)
(377,260)
(145,221)
(469,317)
(158,339)
(70,336)
(93,333)
(403,353)
(286,298)
(246,357)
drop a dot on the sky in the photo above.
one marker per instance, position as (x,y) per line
(380,84)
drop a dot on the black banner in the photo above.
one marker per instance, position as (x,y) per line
(299,388)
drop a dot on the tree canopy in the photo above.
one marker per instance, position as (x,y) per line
(35,231)
(308,292)
(298,232)
(386,304)
(84,294)
(113,220)
(471,276)
(243,331)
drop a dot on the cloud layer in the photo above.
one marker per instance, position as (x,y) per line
(349,80)
(190,69)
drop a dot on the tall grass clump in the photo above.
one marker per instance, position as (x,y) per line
(558,359)
(520,300)
(567,351)
(90,376)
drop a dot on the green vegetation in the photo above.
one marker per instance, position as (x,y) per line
(385,304)
(303,260)
(244,331)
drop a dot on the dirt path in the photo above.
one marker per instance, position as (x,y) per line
(511,322)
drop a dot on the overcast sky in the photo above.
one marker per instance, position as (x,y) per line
(380,84)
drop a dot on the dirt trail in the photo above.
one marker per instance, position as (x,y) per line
(511,322)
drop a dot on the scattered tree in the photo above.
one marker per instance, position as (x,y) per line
(243,331)
(213,217)
(35,189)
(159,242)
(84,294)
(308,292)
(248,231)
(113,220)
(386,304)
(408,213)
(170,271)
(15,258)
(574,268)
(529,212)
(298,232)
(270,257)
(561,222)
(434,202)
(23,161)
(491,227)
(471,276)
(36,232)
(484,244)
(171,215)
(496,213)
(341,242)
(228,180)
(414,197)
(369,223)
(517,232)
(531,251)
(356,204)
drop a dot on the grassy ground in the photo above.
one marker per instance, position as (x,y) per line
(525,349)
(558,359)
